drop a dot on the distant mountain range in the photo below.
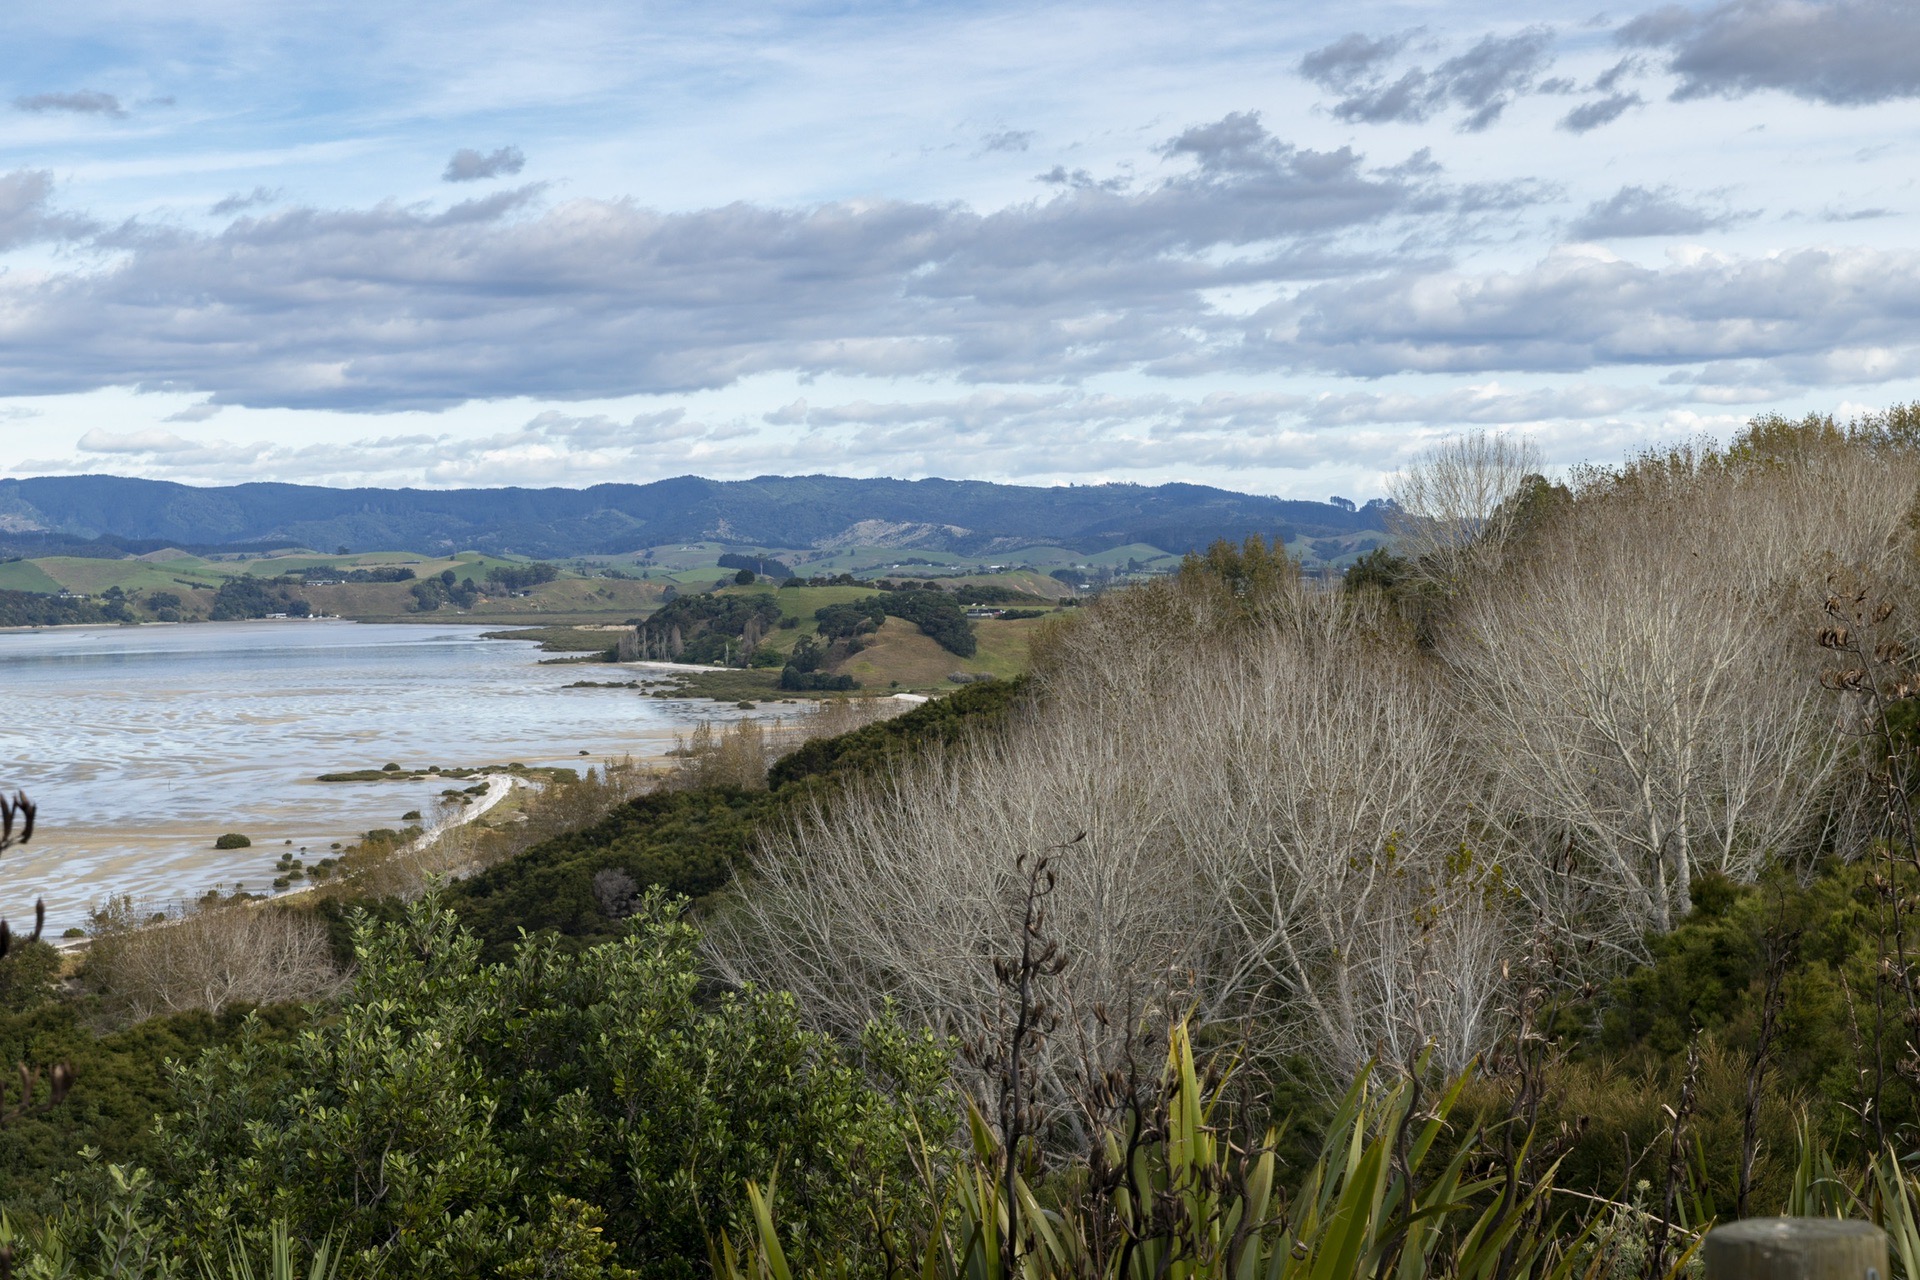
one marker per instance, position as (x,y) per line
(115,515)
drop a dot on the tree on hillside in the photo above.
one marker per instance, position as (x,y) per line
(1452,508)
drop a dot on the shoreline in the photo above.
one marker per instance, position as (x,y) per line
(142,748)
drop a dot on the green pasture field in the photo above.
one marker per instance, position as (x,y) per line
(26,575)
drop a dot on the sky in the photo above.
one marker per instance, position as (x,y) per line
(1278,248)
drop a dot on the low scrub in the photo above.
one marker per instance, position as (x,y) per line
(207,958)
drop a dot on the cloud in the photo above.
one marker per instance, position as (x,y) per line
(1843,52)
(468,165)
(551,447)
(1814,316)
(396,307)
(1080,179)
(86,102)
(1008,140)
(1489,404)
(194,413)
(1352,60)
(1609,80)
(137,442)
(1008,433)
(1589,116)
(1483,80)
(1641,211)
(26,215)
(239,201)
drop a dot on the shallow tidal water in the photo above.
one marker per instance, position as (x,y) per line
(142,744)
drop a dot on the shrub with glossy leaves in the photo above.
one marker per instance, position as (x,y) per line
(435,1119)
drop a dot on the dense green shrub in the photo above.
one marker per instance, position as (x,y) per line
(436,1116)
(687,842)
(795,680)
(430,593)
(27,973)
(883,746)
(232,840)
(121,1082)
(1710,977)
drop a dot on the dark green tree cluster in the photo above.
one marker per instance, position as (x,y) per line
(844,621)
(709,628)
(937,614)
(248,597)
(795,680)
(395,573)
(803,674)
(31,609)
(521,577)
(430,593)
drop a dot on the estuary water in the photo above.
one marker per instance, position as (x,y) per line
(142,744)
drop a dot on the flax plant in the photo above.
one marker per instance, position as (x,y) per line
(1405,1188)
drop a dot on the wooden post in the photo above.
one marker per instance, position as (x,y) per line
(1797,1249)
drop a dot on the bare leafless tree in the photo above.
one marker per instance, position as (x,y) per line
(207,958)
(1276,818)
(1642,682)
(1303,820)
(1453,505)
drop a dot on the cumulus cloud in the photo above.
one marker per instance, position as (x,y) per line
(1814,316)
(1845,52)
(1483,81)
(85,102)
(1249,255)
(399,307)
(1589,116)
(1008,433)
(468,165)
(1643,211)
(26,212)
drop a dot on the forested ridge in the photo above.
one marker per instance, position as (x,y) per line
(94,514)
(1537,897)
